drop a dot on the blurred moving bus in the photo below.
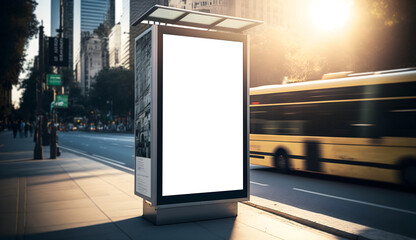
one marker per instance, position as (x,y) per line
(357,125)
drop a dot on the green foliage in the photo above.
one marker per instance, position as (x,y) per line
(276,53)
(28,98)
(383,35)
(18,24)
(116,85)
(379,35)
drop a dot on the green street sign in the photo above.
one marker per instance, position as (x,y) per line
(53,80)
(61,101)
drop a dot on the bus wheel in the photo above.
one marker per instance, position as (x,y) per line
(409,174)
(281,161)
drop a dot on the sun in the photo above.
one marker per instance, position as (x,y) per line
(330,15)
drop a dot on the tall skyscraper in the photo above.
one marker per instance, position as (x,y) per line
(94,20)
(55,18)
(96,12)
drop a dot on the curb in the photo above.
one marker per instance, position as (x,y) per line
(370,234)
(309,223)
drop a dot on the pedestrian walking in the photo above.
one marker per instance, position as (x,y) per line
(21,127)
(14,127)
(30,129)
(26,128)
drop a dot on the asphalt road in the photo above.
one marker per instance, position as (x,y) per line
(380,206)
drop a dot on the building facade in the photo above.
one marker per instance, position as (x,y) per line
(133,9)
(94,20)
(91,60)
(114,46)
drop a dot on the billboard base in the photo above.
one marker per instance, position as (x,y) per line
(179,214)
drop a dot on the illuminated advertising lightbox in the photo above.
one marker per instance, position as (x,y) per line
(191,134)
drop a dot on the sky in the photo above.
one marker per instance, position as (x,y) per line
(43,14)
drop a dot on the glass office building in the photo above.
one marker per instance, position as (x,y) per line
(96,12)
(93,22)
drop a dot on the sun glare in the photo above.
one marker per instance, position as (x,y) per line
(330,14)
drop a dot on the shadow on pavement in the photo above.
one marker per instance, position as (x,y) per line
(139,228)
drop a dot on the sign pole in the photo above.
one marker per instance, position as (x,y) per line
(38,151)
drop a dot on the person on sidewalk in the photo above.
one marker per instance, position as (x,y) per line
(26,128)
(30,129)
(21,126)
(14,127)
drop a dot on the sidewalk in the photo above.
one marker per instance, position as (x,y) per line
(77,198)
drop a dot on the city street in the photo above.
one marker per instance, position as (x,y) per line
(140,119)
(377,206)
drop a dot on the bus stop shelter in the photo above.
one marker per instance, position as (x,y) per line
(191,115)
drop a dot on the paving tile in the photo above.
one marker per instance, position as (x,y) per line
(55,175)
(139,228)
(8,223)
(123,214)
(80,230)
(52,186)
(60,205)
(8,204)
(64,216)
(8,186)
(34,197)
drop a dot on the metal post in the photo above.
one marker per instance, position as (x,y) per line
(53,145)
(54,132)
(38,151)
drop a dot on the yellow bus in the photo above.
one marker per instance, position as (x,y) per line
(356,125)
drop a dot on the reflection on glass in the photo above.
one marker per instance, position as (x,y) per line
(233,23)
(200,19)
(166,14)
(142,99)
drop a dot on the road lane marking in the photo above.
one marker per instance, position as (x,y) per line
(85,144)
(109,159)
(356,201)
(115,144)
(103,147)
(260,184)
(98,159)
(121,139)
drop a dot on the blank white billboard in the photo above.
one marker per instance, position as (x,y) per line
(202,115)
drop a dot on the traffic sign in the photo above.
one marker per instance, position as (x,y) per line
(53,80)
(61,101)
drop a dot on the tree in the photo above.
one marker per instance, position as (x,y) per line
(276,53)
(28,98)
(384,35)
(18,24)
(116,85)
(379,35)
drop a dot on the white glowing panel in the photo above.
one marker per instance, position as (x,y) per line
(202,115)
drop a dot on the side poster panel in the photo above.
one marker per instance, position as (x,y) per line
(142,132)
